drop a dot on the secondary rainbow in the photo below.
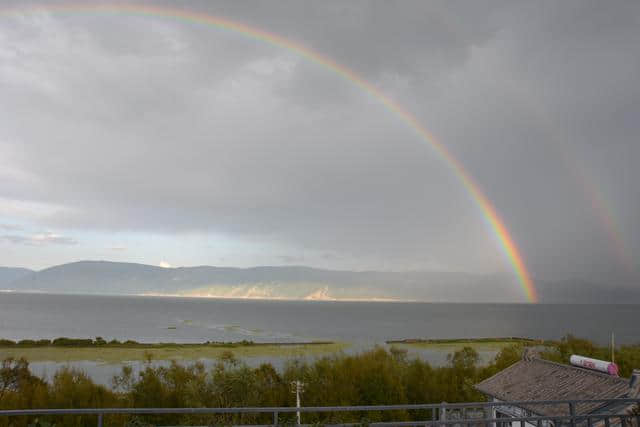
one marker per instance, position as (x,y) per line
(588,184)
(607,218)
(491,217)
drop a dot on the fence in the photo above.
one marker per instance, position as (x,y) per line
(607,413)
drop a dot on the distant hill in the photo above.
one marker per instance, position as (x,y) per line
(10,274)
(295,282)
(102,277)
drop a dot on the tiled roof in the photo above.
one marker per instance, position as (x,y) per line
(537,379)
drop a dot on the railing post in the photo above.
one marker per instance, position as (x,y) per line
(490,412)
(572,412)
(100,420)
(275,418)
(443,413)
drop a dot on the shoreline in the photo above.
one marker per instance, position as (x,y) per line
(279,299)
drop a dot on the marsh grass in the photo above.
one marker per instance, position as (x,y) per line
(166,351)
(478,344)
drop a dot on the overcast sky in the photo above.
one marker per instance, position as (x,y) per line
(157,140)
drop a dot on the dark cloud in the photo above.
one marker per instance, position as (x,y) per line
(130,123)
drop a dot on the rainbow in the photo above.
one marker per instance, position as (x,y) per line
(491,217)
(607,218)
(590,188)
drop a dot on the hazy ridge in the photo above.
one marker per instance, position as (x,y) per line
(10,274)
(298,282)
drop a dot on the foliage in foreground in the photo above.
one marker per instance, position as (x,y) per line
(377,376)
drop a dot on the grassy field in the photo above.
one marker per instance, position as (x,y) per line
(117,354)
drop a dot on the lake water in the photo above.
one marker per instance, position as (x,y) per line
(156,319)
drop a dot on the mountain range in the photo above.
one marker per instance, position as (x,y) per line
(299,283)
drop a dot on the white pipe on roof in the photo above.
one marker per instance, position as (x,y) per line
(595,364)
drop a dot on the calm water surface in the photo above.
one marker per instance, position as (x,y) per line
(156,319)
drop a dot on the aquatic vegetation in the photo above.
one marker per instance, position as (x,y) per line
(480,344)
(116,352)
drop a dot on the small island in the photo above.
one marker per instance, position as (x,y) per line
(486,344)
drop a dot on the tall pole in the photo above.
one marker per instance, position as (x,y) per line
(298,401)
(297,387)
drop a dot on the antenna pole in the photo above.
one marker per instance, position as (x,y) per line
(613,349)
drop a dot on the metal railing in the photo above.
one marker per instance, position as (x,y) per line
(441,415)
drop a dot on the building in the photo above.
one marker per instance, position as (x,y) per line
(536,379)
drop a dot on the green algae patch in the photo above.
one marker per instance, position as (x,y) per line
(187,352)
(478,344)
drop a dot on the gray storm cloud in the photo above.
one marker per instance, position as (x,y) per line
(143,123)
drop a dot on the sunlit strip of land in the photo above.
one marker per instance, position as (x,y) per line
(479,344)
(311,297)
(187,352)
